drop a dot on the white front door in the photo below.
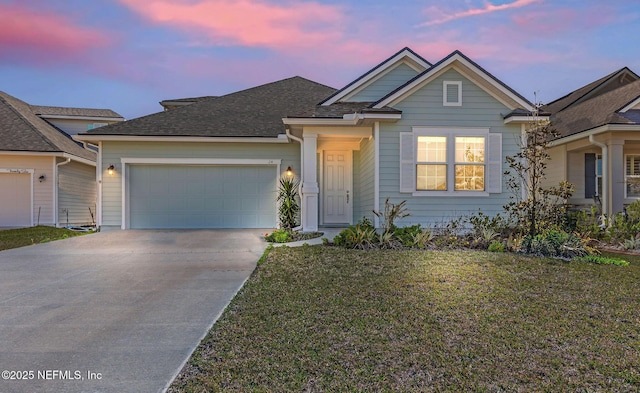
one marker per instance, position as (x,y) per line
(337,191)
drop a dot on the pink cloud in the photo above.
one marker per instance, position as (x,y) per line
(247,22)
(43,36)
(443,17)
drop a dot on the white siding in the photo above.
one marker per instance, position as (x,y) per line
(76,193)
(384,84)
(424,108)
(112,152)
(42,191)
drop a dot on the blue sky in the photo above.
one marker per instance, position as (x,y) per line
(127,55)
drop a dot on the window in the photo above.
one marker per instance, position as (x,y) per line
(440,161)
(599,175)
(632,178)
(452,93)
(469,166)
(431,168)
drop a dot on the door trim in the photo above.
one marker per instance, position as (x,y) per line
(349,154)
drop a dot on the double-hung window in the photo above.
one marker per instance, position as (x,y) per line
(632,178)
(456,162)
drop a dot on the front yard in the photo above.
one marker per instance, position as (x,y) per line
(329,319)
(20,237)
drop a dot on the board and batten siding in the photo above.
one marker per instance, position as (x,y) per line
(385,84)
(76,194)
(424,108)
(112,152)
(42,191)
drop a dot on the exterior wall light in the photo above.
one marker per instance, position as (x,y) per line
(42,178)
(289,171)
(111,169)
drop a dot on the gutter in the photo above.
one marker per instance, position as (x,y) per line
(300,141)
(605,173)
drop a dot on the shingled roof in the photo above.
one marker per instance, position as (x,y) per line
(22,130)
(45,111)
(254,112)
(597,111)
(339,109)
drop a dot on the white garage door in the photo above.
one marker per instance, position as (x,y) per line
(15,199)
(182,196)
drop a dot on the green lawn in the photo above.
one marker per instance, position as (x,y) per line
(317,319)
(14,238)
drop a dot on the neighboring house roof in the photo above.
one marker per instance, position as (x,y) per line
(599,110)
(174,103)
(254,112)
(22,130)
(602,85)
(46,111)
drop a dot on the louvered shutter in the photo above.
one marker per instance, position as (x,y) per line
(494,164)
(407,163)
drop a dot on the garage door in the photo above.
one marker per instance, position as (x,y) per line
(181,196)
(15,199)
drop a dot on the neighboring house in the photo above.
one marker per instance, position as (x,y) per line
(178,102)
(435,135)
(598,150)
(75,120)
(46,178)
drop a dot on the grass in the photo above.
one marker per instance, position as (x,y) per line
(317,319)
(14,238)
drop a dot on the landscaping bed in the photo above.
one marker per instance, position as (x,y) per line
(331,319)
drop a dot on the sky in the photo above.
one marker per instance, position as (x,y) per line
(127,55)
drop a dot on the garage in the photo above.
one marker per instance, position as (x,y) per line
(202,196)
(15,194)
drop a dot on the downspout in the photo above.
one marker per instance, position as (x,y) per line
(299,140)
(55,191)
(605,174)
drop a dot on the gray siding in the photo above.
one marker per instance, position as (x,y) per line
(76,193)
(424,108)
(73,127)
(365,181)
(112,152)
(385,84)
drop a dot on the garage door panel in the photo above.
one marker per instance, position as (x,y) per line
(175,196)
(15,199)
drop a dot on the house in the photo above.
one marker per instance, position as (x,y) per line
(598,148)
(435,135)
(46,178)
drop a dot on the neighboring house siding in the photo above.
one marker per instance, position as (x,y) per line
(425,108)
(557,167)
(366,175)
(76,194)
(112,152)
(385,84)
(73,127)
(42,191)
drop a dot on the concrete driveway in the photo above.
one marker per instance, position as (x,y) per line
(117,311)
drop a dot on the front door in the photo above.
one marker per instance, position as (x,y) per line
(337,191)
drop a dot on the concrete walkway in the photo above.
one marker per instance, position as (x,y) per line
(117,311)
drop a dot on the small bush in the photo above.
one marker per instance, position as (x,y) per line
(556,244)
(406,235)
(599,260)
(360,236)
(279,236)
(496,246)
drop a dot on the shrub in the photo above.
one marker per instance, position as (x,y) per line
(279,236)
(360,236)
(589,224)
(555,243)
(288,206)
(599,260)
(496,246)
(406,235)
(632,243)
(392,212)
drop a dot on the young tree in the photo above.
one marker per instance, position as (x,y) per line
(532,205)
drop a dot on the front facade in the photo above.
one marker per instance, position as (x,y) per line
(435,135)
(45,177)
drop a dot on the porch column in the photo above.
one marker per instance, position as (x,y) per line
(616,176)
(310,188)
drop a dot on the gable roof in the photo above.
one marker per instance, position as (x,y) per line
(621,76)
(599,110)
(403,55)
(486,80)
(57,111)
(254,112)
(22,130)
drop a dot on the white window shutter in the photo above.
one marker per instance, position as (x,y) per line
(407,163)
(494,163)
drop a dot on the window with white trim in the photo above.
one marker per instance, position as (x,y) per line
(599,174)
(632,178)
(452,93)
(440,161)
